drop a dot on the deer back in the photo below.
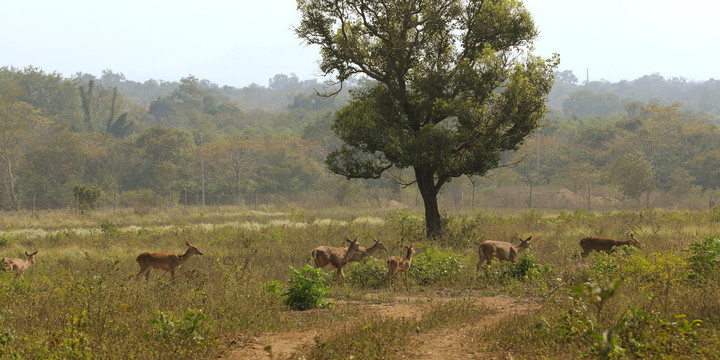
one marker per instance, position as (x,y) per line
(157,260)
(596,243)
(502,250)
(335,256)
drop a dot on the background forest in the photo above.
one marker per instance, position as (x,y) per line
(84,141)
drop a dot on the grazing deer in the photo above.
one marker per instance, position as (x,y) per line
(336,257)
(165,261)
(607,245)
(503,251)
(363,253)
(20,265)
(396,263)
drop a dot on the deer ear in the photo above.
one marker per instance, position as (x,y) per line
(187,243)
(35,253)
(528,239)
(348,239)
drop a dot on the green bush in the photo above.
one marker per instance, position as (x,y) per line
(704,258)
(372,274)
(108,227)
(434,265)
(409,226)
(180,334)
(647,335)
(714,214)
(307,289)
(526,267)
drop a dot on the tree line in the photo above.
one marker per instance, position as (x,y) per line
(167,139)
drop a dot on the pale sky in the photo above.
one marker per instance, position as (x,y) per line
(239,42)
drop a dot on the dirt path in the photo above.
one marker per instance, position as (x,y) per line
(444,343)
(456,344)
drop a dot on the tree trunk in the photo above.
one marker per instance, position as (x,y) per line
(427,188)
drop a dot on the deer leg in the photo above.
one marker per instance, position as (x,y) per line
(172,275)
(407,288)
(142,269)
(147,274)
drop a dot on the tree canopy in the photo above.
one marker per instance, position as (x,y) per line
(455,85)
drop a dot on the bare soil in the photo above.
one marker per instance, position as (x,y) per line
(443,343)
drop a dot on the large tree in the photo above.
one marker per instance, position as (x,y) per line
(455,85)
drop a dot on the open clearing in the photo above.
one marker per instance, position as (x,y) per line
(443,343)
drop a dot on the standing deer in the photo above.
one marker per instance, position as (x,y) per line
(607,245)
(396,263)
(336,257)
(503,251)
(165,261)
(363,253)
(20,265)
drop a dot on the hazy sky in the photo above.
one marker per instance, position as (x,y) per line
(238,42)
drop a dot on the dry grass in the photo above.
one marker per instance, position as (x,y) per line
(81,299)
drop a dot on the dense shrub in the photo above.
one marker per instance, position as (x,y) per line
(526,267)
(704,258)
(434,265)
(372,274)
(307,289)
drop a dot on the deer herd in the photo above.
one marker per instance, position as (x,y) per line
(339,257)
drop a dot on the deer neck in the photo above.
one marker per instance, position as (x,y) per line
(409,255)
(373,249)
(623,243)
(185,257)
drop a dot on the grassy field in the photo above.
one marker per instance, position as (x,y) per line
(82,300)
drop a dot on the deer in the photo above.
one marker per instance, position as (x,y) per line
(336,257)
(165,261)
(501,250)
(363,253)
(607,245)
(396,263)
(20,265)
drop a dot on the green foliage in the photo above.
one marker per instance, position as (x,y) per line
(6,339)
(140,200)
(604,267)
(371,274)
(108,227)
(441,135)
(704,260)
(87,196)
(307,288)
(647,335)
(75,343)
(180,334)
(435,265)
(714,214)
(526,267)
(410,226)
(632,173)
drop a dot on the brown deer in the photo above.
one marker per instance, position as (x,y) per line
(503,251)
(19,265)
(396,263)
(165,261)
(336,257)
(607,245)
(363,253)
